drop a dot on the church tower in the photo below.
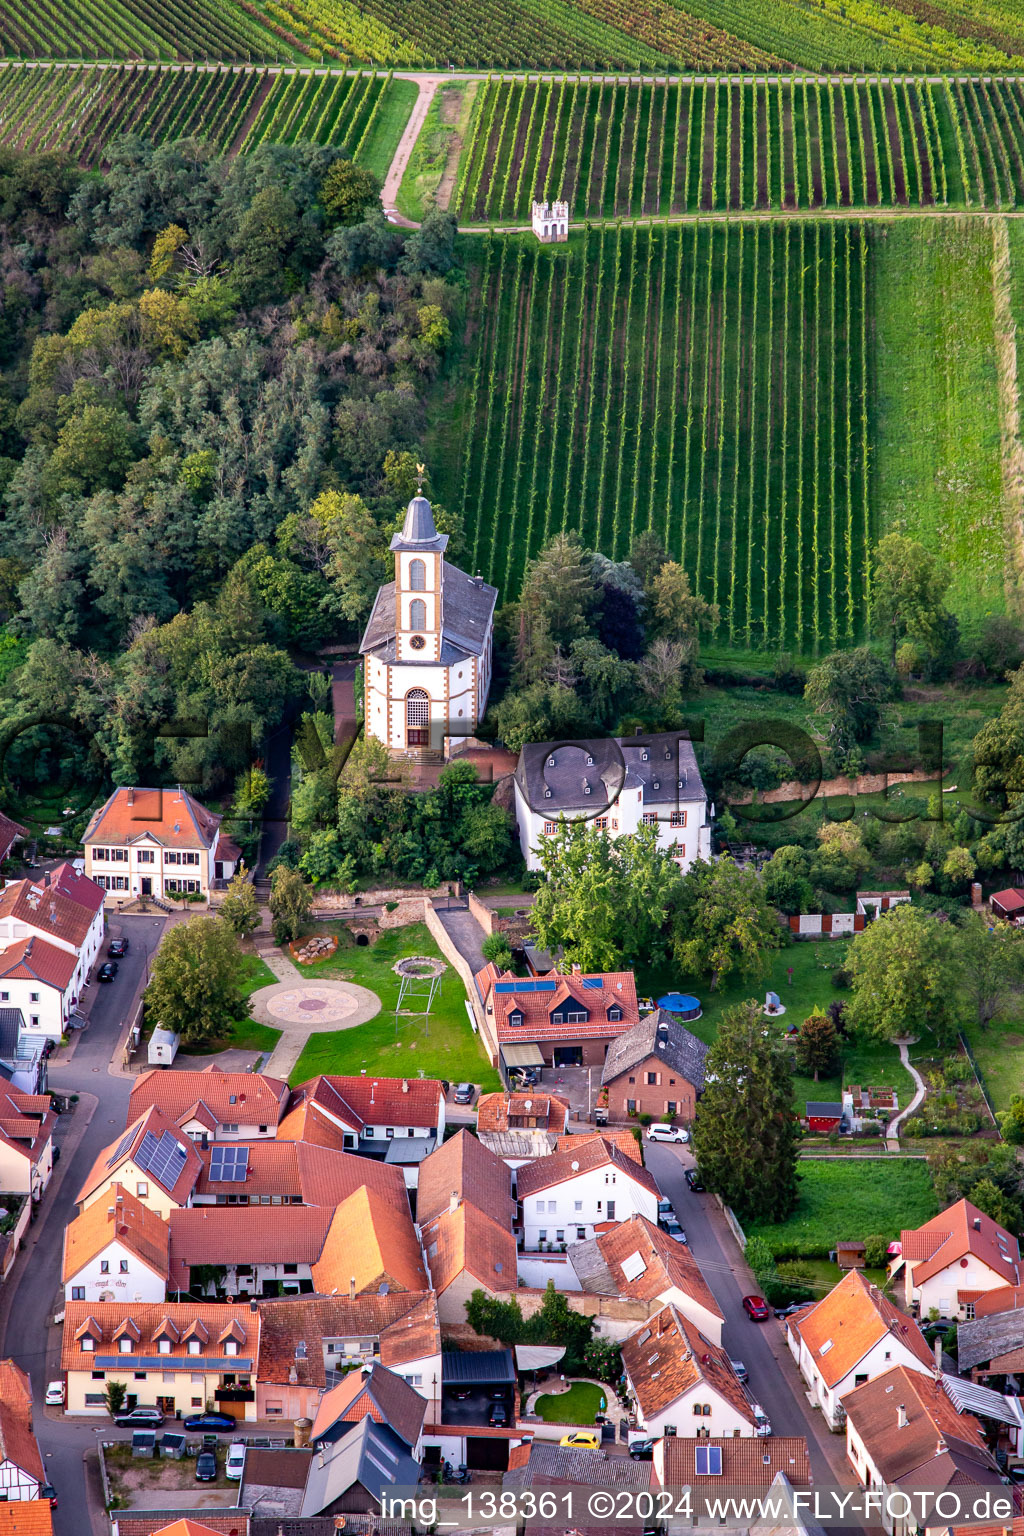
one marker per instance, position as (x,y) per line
(419,584)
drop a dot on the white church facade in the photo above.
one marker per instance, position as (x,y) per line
(427,647)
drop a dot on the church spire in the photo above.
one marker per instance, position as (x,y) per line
(418,530)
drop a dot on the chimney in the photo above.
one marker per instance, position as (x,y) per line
(119,1200)
(129,798)
(940,1447)
(178,796)
(901,1417)
(352,1289)
(110,1210)
(938,1351)
(301,1429)
(453,1201)
(977,1223)
(253,1307)
(576,969)
(405,1085)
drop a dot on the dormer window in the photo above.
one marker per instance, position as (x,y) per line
(551,762)
(644,757)
(88,1344)
(231,1345)
(590,761)
(195,1347)
(125,1346)
(163,1346)
(515,1019)
(615,1014)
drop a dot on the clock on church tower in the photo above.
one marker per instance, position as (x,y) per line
(427,648)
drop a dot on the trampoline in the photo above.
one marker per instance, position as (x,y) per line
(682,1004)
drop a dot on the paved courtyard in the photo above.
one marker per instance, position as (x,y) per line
(302,1008)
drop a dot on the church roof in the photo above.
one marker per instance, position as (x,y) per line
(467,606)
(418,530)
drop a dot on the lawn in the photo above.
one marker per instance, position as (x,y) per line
(446,1049)
(246,1034)
(842,1200)
(820,1276)
(999,1050)
(378,152)
(809,988)
(580,1405)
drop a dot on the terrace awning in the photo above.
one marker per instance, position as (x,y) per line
(522,1055)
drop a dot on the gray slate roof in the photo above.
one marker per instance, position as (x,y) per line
(371,1455)
(477,1367)
(466,609)
(978,1341)
(658,1034)
(418,530)
(665,766)
(571,1464)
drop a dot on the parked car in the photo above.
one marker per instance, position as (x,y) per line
(672,1226)
(235,1464)
(667,1133)
(48,1491)
(117,949)
(642,1450)
(464,1093)
(219,1423)
(762,1423)
(693,1180)
(740,1369)
(139,1418)
(107,971)
(498,1414)
(206,1467)
(460,1394)
(583,1439)
(756,1308)
(665,1209)
(794,1306)
(55,1394)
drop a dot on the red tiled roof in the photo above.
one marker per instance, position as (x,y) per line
(112,1158)
(1005,1298)
(26,1122)
(404,1322)
(172,817)
(466,1241)
(123,1219)
(245,1234)
(27,1517)
(609,989)
(518,1111)
(668,1356)
(955,1233)
(32,959)
(311,1174)
(464,1167)
(373,1392)
(232,1097)
(933,1446)
(148,1321)
(666,1263)
(78,888)
(369,1242)
(359,1101)
(594,1152)
(60,911)
(17,1441)
(624,1140)
(10,831)
(1010,900)
(748,1461)
(214,1523)
(849,1321)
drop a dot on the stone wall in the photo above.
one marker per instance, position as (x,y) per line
(843,784)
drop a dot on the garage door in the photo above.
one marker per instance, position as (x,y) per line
(487,1455)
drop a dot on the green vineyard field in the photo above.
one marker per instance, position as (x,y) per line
(80,109)
(135,29)
(705,381)
(666,148)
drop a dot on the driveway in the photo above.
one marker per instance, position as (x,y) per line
(774,1382)
(28,1334)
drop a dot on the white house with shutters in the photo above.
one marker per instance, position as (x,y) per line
(427,647)
(572,1196)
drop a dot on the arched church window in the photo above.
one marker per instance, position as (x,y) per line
(417,576)
(417,718)
(417,614)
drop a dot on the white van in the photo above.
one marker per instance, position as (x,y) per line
(667,1133)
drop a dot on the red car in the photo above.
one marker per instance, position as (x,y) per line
(756,1308)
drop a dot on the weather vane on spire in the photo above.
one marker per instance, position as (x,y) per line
(421,470)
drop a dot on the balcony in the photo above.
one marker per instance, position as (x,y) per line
(234,1395)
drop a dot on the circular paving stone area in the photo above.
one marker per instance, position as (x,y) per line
(315,1005)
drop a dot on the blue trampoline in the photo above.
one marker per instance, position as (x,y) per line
(683,1004)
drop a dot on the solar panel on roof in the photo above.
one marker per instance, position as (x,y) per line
(122,1149)
(593,981)
(546,986)
(504,986)
(163,1159)
(708,1460)
(228,1165)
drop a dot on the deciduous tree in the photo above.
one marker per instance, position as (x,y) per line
(723,922)
(905,977)
(240,909)
(817,1046)
(291,901)
(195,983)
